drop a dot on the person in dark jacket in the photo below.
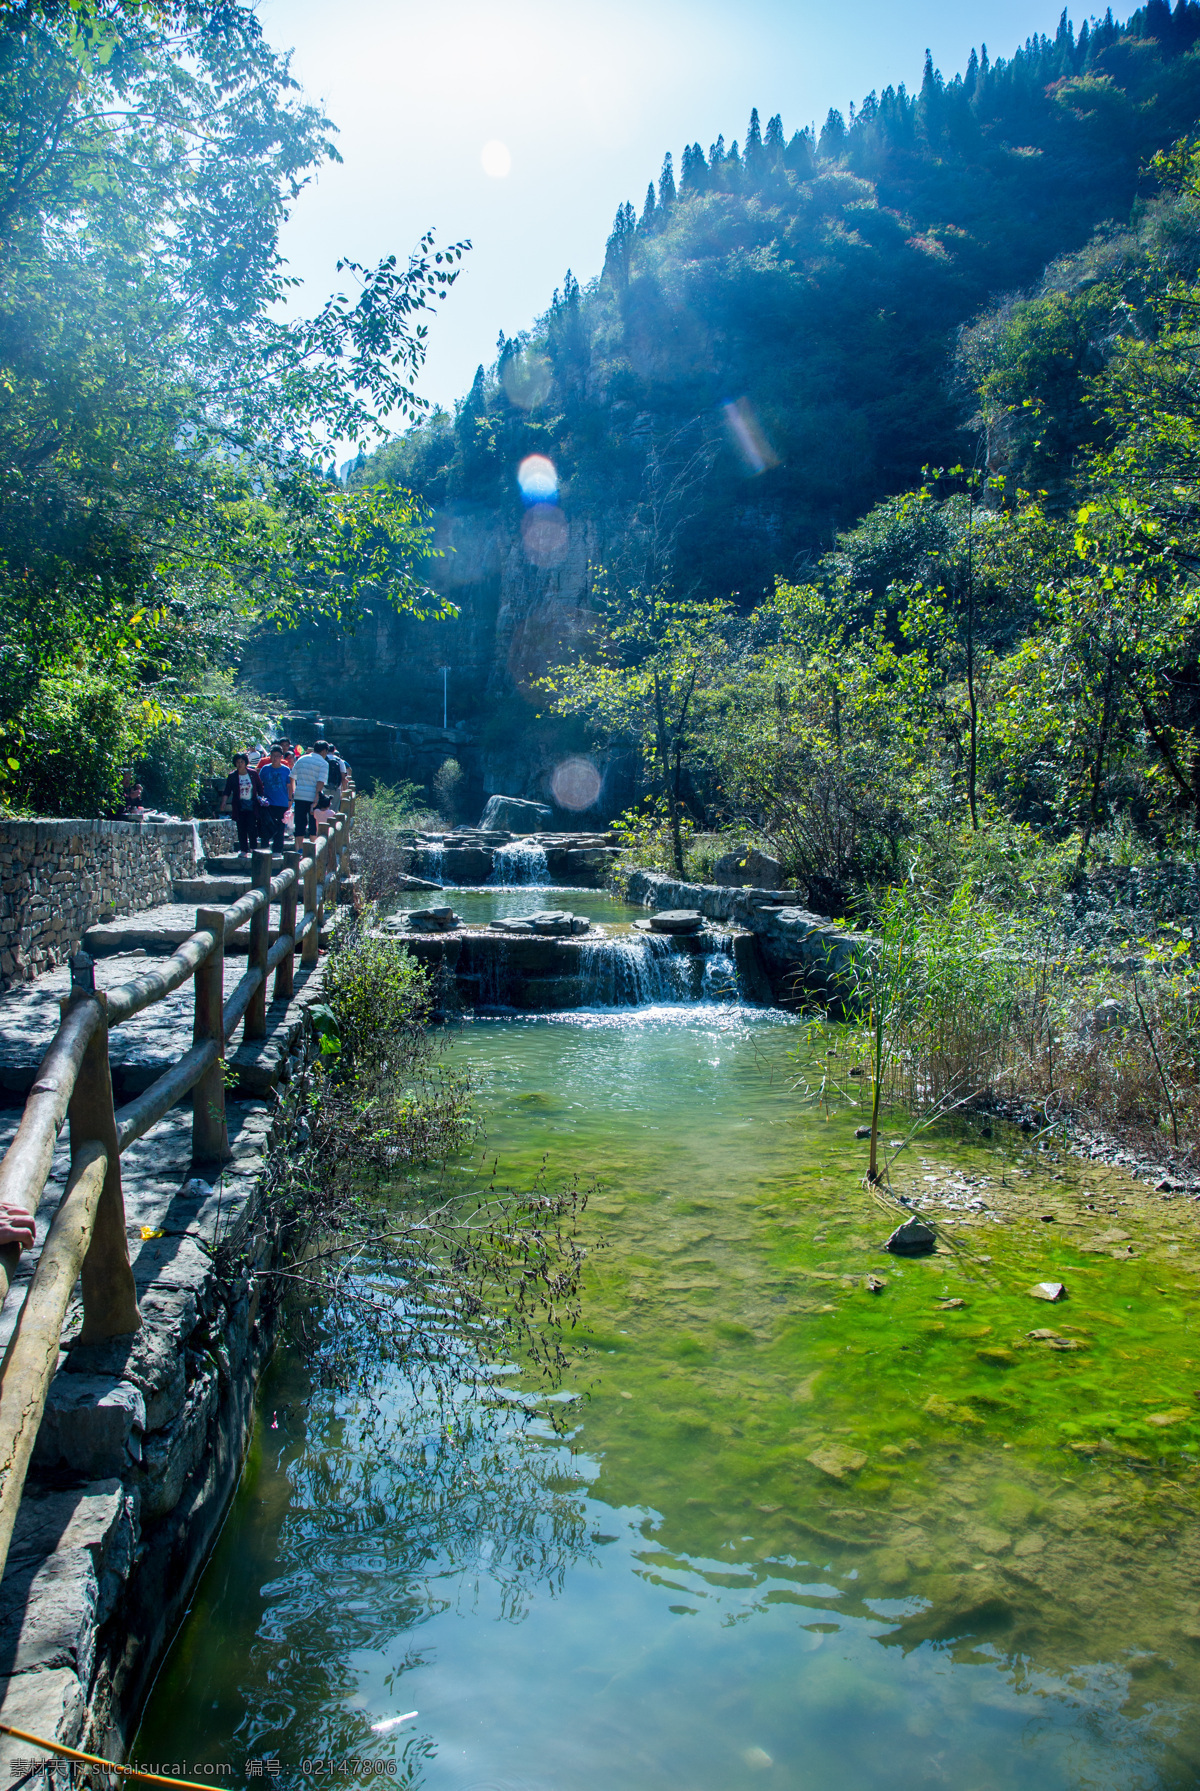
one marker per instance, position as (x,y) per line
(244,795)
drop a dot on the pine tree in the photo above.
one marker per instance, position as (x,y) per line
(971,79)
(693,170)
(666,184)
(619,246)
(833,136)
(649,210)
(716,153)
(798,156)
(752,155)
(773,143)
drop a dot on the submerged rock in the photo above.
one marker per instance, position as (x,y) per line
(837,1460)
(913,1238)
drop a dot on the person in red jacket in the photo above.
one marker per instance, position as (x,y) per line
(244,795)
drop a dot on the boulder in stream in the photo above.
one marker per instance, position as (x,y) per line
(913,1238)
(677,920)
(514,815)
(433,920)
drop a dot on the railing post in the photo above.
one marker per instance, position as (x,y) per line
(110,1306)
(210,1139)
(311,945)
(255,1024)
(285,969)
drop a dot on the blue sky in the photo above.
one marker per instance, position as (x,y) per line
(571,104)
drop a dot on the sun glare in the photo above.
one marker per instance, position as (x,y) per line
(495,159)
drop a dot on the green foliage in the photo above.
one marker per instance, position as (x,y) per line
(195,741)
(775,337)
(379,998)
(652,681)
(392,806)
(166,413)
(78,732)
(449,789)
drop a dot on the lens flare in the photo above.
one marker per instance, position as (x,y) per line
(575,784)
(748,436)
(495,160)
(545,535)
(538,480)
(527,379)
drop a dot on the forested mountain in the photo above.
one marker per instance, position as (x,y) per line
(771,347)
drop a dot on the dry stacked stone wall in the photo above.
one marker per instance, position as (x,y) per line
(57,878)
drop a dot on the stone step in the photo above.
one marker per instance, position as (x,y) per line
(237,864)
(159,931)
(209,892)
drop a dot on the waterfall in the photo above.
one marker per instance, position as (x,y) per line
(433,864)
(520,862)
(198,853)
(720,978)
(637,970)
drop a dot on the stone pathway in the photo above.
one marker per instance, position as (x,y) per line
(142,1438)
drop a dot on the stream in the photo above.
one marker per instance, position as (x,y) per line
(796,1532)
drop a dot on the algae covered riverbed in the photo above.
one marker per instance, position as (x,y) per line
(797,1532)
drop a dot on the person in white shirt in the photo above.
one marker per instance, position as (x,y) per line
(308,780)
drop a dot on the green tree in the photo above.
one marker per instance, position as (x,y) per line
(166,415)
(654,680)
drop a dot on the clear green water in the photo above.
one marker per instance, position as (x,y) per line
(802,1534)
(476,904)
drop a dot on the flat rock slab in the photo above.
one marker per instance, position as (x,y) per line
(677,920)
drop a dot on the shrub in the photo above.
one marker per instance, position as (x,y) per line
(449,790)
(81,728)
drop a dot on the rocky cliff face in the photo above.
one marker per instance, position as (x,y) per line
(378,693)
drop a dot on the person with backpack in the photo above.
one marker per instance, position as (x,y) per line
(244,795)
(339,771)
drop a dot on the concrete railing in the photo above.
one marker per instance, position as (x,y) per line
(87,1238)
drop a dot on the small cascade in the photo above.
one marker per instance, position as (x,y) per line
(433,864)
(641,970)
(198,854)
(519,864)
(720,981)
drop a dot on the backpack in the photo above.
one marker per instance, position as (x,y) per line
(336,772)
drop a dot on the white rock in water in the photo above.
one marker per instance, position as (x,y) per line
(758,1757)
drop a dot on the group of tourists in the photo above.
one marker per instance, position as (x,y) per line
(264,787)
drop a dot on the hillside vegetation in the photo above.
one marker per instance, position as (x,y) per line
(770,348)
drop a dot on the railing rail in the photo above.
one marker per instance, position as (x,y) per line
(87,1239)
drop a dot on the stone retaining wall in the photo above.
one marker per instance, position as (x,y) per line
(58,877)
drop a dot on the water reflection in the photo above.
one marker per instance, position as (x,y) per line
(676,1595)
